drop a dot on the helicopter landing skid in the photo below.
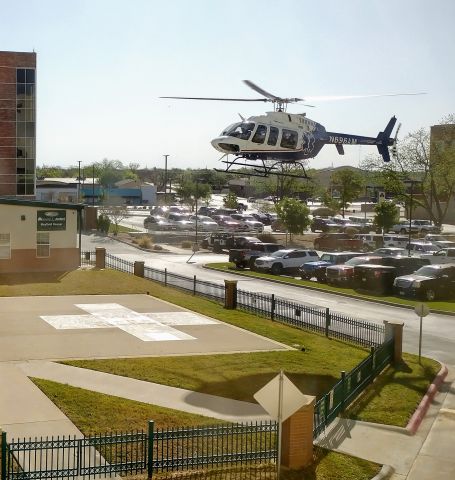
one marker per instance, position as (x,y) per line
(262,169)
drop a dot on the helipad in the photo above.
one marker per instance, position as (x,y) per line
(91,326)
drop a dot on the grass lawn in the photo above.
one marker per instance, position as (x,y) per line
(95,413)
(444,306)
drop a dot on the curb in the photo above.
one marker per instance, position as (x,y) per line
(386,472)
(419,414)
(346,295)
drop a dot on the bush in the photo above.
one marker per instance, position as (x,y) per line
(144,242)
(157,247)
(267,238)
(103,223)
(187,244)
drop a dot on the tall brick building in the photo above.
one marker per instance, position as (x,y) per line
(17,123)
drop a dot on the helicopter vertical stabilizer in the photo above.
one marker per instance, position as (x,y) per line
(383,140)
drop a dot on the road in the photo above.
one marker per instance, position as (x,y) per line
(438,330)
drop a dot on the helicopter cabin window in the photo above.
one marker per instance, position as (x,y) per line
(273,136)
(240,130)
(260,134)
(289,138)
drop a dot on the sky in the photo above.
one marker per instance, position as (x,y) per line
(102,66)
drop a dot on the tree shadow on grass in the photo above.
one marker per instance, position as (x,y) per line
(31,277)
(243,388)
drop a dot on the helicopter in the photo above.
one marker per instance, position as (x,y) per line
(266,143)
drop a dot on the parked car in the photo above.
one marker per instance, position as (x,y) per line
(390,252)
(366,224)
(344,274)
(418,248)
(374,278)
(443,244)
(434,237)
(318,268)
(445,255)
(157,222)
(370,240)
(428,283)
(249,221)
(226,222)
(204,223)
(180,220)
(245,257)
(395,240)
(345,223)
(323,225)
(278,226)
(379,278)
(338,241)
(421,227)
(262,217)
(282,261)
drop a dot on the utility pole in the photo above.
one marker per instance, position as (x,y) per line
(79,182)
(165,178)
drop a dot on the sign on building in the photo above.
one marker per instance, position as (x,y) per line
(50,220)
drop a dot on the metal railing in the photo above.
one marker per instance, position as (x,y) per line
(321,320)
(159,450)
(350,386)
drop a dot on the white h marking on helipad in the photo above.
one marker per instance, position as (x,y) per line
(148,327)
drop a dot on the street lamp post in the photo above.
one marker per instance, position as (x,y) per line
(165,178)
(79,182)
(411,183)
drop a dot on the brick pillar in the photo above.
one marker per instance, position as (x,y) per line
(394,329)
(230,294)
(139,269)
(100,257)
(297,437)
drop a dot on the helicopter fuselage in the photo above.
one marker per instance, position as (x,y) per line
(290,137)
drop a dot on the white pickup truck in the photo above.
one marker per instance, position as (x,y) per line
(445,255)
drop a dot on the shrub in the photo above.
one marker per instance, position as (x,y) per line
(157,247)
(145,242)
(267,238)
(187,244)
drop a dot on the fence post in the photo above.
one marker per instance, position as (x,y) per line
(394,329)
(151,427)
(3,471)
(297,437)
(139,268)
(343,389)
(194,285)
(230,294)
(272,311)
(165,277)
(100,255)
(327,321)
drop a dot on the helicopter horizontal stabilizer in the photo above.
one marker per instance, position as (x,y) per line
(383,140)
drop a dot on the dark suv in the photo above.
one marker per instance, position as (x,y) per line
(324,225)
(379,278)
(318,268)
(428,283)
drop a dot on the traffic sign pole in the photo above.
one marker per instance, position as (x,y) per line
(422,310)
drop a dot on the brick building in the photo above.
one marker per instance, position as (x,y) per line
(17,124)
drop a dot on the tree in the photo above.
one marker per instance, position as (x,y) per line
(109,172)
(230,200)
(294,214)
(349,184)
(430,164)
(190,190)
(115,215)
(386,215)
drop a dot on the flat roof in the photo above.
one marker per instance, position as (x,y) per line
(37,203)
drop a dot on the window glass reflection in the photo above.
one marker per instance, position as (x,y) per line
(20,75)
(289,139)
(273,136)
(30,75)
(260,134)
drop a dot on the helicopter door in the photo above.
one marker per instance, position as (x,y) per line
(260,134)
(289,138)
(273,136)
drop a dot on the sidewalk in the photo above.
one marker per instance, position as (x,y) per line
(429,454)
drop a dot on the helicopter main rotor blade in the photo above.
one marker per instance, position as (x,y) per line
(328,98)
(260,90)
(223,99)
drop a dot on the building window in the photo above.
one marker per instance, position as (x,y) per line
(5,246)
(43,247)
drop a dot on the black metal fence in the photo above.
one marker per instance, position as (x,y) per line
(350,386)
(321,320)
(160,450)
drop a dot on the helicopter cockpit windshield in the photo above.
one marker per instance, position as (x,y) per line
(240,130)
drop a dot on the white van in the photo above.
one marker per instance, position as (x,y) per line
(370,240)
(399,241)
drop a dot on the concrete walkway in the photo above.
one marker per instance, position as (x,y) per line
(25,411)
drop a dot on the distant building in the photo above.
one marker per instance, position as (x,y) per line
(17,124)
